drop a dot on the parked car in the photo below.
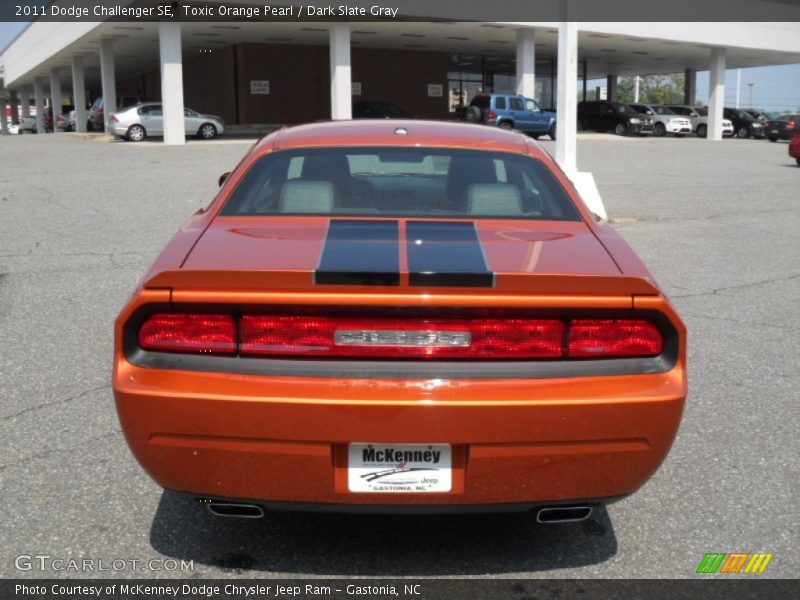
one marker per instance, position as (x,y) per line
(512,112)
(604,115)
(762,115)
(781,128)
(699,118)
(794,147)
(27,124)
(355,322)
(378,109)
(745,125)
(97,110)
(664,120)
(147,120)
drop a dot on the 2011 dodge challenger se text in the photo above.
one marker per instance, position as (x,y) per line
(405,316)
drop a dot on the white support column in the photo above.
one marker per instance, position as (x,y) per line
(38,100)
(567,100)
(690,87)
(738,86)
(79,93)
(341,87)
(716,93)
(55,97)
(109,80)
(25,101)
(636,88)
(169,43)
(611,88)
(526,63)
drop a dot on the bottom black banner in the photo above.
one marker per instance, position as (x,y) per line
(386,589)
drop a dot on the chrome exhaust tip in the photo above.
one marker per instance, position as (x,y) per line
(235,509)
(563,514)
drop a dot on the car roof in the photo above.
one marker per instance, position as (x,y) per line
(382,133)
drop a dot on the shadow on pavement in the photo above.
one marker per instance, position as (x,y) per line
(378,545)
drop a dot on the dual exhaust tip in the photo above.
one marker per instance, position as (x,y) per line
(553,514)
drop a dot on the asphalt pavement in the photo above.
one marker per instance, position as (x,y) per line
(81,220)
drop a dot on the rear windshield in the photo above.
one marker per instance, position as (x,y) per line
(414,182)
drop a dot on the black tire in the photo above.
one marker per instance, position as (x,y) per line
(535,135)
(743,132)
(472,114)
(33,128)
(505,125)
(702,130)
(207,131)
(135,133)
(772,138)
(659,130)
(621,129)
(552,132)
(798,161)
(583,125)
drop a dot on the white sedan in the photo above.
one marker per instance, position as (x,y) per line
(147,120)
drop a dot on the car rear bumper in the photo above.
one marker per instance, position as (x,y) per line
(282,439)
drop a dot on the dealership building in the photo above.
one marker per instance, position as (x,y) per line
(427,60)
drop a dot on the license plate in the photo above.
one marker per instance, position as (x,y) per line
(399,468)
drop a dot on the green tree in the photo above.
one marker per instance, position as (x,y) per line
(653,89)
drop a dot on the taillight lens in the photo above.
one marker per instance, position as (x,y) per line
(206,334)
(479,338)
(492,115)
(790,125)
(600,338)
(387,338)
(113,119)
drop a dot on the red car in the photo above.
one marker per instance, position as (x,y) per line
(399,316)
(794,147)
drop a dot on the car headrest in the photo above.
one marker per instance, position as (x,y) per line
(494,199)
(300,196)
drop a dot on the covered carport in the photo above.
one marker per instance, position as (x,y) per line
(56,59)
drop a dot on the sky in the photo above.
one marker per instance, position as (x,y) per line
(774,88)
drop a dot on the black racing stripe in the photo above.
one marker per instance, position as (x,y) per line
(359,253)
(446,253)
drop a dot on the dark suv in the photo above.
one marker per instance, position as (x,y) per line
(745,125)
(604,115)
(512,112)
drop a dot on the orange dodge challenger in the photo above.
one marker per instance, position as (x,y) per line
(399,316)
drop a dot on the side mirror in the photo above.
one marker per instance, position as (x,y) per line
(223,178)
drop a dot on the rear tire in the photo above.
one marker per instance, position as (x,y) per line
(659,130)
(552,132)
(505,125)
(135,133)
(798,161)
(743,132)
(772,138)
(207,131)
(702,131)
(621,129)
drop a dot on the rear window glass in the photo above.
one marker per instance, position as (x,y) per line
(401,182)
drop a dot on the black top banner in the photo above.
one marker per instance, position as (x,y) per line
(402,10)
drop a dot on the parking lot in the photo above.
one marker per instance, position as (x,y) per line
(81,220)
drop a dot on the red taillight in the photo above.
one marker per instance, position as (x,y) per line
(113,119)
(386,338)
(208,334)
(492,115)
(592,338)
(315,336)
(790,125)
